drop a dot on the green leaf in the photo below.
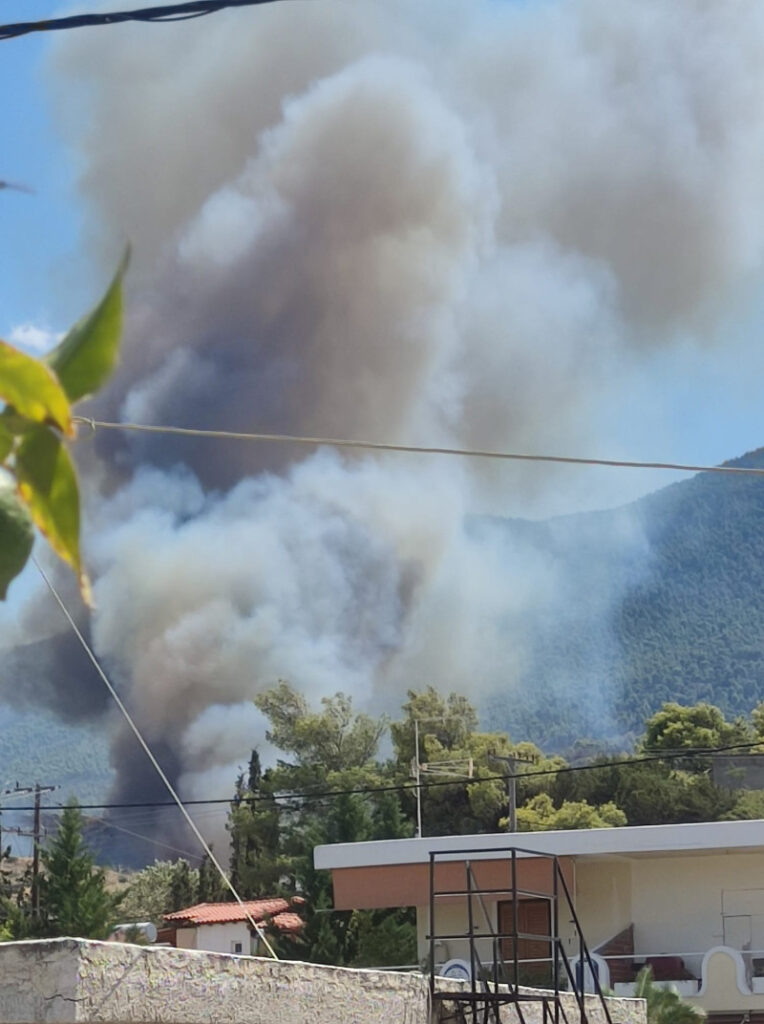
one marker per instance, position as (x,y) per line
(48,484)
(16,536)
(86,356)
(6,440)
(32,388)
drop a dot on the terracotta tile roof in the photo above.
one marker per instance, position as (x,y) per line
(223,913)
(288,922)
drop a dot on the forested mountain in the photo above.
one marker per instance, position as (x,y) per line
(36,747)
(660,600)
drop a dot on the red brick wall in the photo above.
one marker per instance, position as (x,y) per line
(620,944)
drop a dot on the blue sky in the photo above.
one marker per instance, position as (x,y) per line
(40,232)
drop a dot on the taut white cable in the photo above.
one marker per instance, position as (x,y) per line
(150,755)
(411,449)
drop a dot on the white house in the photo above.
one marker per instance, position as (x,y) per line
(225,927)
(688,899)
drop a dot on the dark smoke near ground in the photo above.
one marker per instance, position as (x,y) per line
(461,224)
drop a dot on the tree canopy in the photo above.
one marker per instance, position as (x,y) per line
(336,779)
(73,897)
(335,749)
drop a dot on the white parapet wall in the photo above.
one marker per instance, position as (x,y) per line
(67,981)
(70,980)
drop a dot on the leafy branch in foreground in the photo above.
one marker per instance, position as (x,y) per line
(39,483)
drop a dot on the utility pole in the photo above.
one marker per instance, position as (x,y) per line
(36,835)
(458,769)
(511,761)
(36,853)
(418,776)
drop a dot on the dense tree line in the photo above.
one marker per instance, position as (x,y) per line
(332,784)
(273,826)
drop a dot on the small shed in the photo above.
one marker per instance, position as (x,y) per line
(226,927)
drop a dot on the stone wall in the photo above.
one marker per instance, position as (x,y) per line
(66,981)
(622,1011)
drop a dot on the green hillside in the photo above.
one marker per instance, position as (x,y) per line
(695,629)
(36,747)
(665,601)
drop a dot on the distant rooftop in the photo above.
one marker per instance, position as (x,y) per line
(278,911)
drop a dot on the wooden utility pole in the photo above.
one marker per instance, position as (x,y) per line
(36,853)
(463,769)
(36,835)
(511,761)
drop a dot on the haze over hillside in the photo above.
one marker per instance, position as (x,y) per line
(659,600)
(667,603)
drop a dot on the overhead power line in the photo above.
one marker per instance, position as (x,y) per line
(140,835)
(410,449)
(164,13)
(401,787)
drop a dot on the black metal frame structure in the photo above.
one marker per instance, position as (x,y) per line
(491,985)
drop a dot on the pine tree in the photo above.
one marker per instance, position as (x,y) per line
(182,888)
(73,896)
(211,886)
(257,864)
(388,820)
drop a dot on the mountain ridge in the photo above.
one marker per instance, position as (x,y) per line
(686,616)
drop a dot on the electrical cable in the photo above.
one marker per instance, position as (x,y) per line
(402,787)
(147,750)
(472,453)
(156,15)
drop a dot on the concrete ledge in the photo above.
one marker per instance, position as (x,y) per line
(68,981)
(71,980)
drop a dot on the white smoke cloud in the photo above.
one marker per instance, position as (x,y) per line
(459,224)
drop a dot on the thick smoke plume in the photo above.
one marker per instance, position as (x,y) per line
(460,223)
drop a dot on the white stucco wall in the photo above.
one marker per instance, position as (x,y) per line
(679,902)
(71,981)
(451,918)
(220,938)
(64,981)
(604,901)
(682,905)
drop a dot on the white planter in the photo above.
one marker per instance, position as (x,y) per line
(684,988)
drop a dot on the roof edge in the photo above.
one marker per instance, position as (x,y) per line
(694,836)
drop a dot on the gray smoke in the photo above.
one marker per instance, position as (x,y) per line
(461,223)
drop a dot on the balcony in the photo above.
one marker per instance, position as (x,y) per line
(690,973)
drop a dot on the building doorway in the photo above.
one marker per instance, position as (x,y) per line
(534,954)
